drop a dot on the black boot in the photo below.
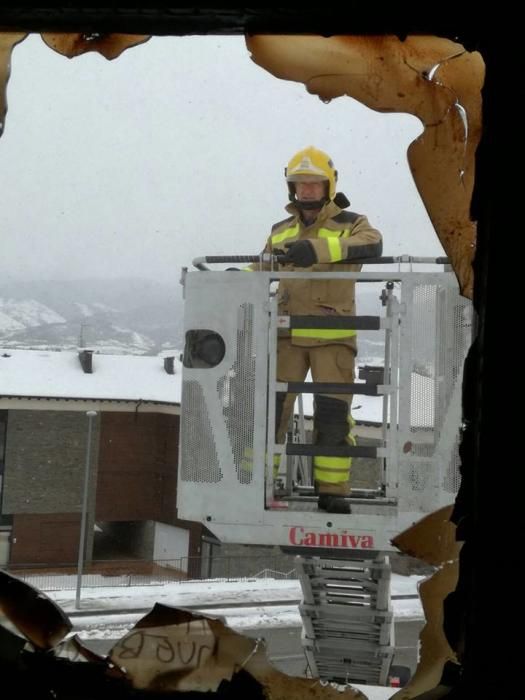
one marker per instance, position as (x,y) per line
(333,504)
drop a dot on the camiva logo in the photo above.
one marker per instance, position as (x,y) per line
(303,538)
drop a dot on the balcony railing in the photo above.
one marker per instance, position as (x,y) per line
(135,572)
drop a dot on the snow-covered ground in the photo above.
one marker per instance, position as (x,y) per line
(227,595)
(107,620)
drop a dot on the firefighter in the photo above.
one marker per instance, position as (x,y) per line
(320,235)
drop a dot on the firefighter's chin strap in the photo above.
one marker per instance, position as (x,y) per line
(340,199)
(310,204)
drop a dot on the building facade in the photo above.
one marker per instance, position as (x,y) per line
(46,438)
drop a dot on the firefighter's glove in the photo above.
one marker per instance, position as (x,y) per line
(300,254)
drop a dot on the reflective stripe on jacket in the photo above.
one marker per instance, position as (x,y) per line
(336,235)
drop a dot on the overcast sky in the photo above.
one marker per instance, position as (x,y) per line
(177,149)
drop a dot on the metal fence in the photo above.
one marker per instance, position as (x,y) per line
(119,573)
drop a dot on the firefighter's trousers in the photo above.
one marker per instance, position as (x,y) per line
(332,421)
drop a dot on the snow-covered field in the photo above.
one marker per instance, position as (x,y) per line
(227,595)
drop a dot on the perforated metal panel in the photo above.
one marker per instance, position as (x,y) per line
(237,396)
(223,426)
(455,344)
(226,413)
(199,459)
(452,477)
(423,353)
(437,336)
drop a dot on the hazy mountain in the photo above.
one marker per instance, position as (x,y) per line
(120,316)
(127,316)
(19,314)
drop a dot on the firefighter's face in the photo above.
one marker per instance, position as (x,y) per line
(310,191)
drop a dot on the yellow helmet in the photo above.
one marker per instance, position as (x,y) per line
(311,164)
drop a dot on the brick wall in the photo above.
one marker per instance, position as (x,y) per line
(133,481)
(45,460)
(45,539)
(137,467)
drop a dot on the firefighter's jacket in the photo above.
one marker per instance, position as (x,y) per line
(337,236)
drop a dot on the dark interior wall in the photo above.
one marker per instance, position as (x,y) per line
(123,540)
(196,533)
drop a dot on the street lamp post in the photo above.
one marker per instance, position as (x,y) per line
(83,522)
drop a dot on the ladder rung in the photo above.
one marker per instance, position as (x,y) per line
(297,448)
(359,389)
(347,620)
(358,323)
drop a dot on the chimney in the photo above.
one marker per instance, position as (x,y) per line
(169,364)
(86,360)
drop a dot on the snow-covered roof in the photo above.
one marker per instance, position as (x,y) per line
(47,374)
(59,375)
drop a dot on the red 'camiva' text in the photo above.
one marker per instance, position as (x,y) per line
(303,538)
